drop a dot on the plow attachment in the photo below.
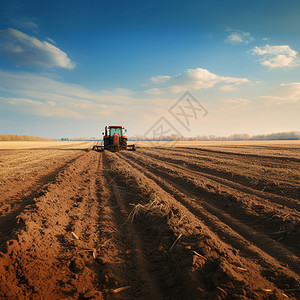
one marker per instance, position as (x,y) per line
(114,148)
(98,148)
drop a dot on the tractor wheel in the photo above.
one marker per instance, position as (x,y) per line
(124,144)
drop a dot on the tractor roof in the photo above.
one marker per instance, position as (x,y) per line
(115,126)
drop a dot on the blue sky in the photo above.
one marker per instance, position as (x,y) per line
(67,68)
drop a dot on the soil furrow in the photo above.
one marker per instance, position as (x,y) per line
(242,234)
(50,256)
(279,187)
(14,204)
(218,222)
(122,251)
(267,163)
(248,209)
(199,231)
(275,157)
(254,254)
(264,196)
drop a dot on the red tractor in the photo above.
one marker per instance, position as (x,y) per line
(114,140)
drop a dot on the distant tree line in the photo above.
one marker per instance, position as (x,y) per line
(292,135)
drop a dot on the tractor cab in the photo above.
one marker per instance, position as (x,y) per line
(115,130)
(111,131)
(113,135)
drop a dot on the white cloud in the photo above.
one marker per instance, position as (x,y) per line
(191,79)
(279,61)
(276,56)
(27,50)
(238,37)
(275,50)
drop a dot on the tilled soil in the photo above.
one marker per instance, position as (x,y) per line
(158,223)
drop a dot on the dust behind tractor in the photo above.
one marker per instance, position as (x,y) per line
(114,140)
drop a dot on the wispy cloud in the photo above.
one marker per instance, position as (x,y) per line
(160,79)
(285,93)
(291,89)
(25,23)
(37,94)
(227,88)
(27,50)
(235,104)
(238,37)
(240,101)
(191,79)
(47,108)
(276,56)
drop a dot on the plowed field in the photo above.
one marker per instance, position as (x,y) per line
(194,222)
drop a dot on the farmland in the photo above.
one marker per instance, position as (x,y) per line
(193,220)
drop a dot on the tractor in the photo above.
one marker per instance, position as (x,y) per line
(114,140)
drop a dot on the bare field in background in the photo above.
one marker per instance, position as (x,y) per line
(20,158)
(193,220)
(42,144)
